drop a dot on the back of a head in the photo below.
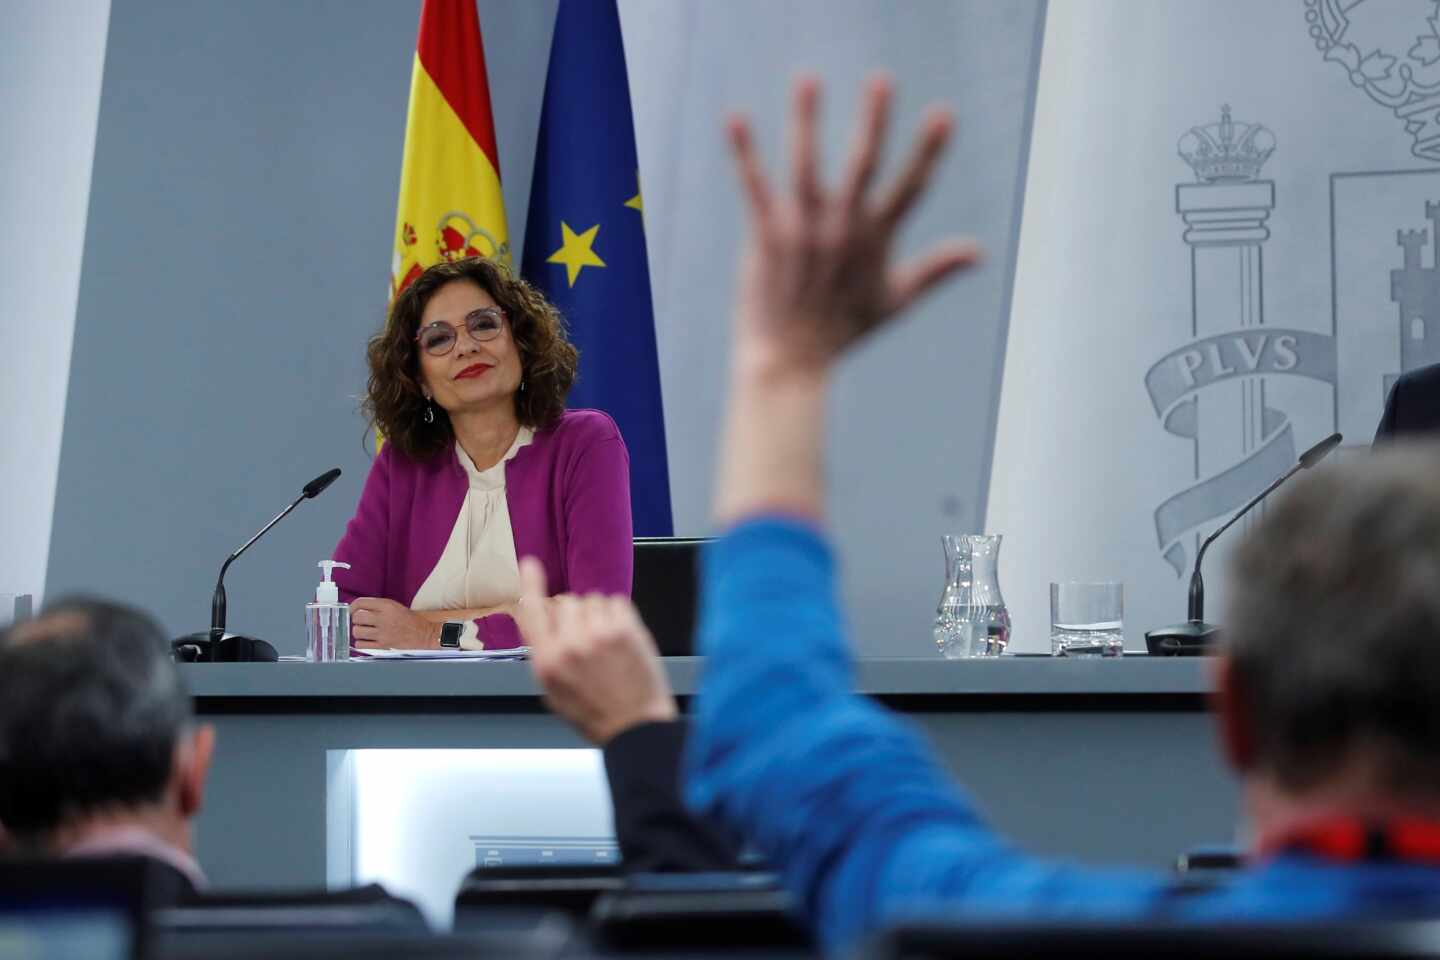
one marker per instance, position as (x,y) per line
(91,709)
(1334,625)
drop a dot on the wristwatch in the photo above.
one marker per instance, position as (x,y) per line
(450,632)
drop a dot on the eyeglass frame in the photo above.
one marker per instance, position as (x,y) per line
(465,325)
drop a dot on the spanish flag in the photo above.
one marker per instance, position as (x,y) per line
(450,200)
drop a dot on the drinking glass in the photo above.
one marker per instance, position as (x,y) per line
(1087,619)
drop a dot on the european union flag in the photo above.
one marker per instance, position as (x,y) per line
(585,243)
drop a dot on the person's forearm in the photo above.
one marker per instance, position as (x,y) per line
(772,456)
(655,832)
(466,613)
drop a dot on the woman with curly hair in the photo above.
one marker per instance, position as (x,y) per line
(481,464)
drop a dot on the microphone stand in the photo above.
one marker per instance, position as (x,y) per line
(217,646)
(244,648)
(1195,636)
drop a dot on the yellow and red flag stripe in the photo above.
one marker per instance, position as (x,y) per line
(450,201)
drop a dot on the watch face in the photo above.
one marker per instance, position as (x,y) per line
(450,633)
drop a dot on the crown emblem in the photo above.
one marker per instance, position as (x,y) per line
(1227,152)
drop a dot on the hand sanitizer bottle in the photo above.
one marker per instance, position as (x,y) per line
(327,620)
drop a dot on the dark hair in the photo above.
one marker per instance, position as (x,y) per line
(394,402)
(91,708)
(1334,625)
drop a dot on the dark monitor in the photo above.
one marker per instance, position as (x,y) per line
(666,590)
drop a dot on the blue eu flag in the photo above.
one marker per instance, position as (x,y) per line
(585,243)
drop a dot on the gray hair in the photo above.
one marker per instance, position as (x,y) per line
(91,709)
(1334,624)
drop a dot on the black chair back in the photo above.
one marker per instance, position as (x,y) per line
(100,905)
(666,590)
(737,912)
(265,921)
(340,945)
(1406,940)
(224,914)
(524,897)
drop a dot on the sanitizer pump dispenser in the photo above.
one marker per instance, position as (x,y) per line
(327,620)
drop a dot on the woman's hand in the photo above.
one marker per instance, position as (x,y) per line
(816,275)
(466,613)
(377,622)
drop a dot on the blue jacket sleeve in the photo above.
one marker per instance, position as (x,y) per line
(842,796)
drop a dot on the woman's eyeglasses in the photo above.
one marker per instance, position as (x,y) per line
(439,338)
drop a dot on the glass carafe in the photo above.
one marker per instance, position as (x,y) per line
(971,620)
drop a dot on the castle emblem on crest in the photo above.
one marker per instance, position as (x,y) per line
(1416,291)
(1228,390)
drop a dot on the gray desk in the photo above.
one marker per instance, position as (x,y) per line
(1111,761)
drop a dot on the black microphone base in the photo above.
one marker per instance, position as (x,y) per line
(203,647)
(1193,638)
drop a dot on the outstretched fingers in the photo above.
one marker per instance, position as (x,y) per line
(869,138)
(930,143)
(911,280)
(804,164)
(748,167)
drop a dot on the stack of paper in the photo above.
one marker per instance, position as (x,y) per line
(514,653)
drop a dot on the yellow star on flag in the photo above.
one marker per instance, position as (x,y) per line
(635,202)
(575,251)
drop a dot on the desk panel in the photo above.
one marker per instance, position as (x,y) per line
(1111,761)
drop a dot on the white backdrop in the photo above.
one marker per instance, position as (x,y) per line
(1104,287)
(51,56)
(171,456)
(911,431)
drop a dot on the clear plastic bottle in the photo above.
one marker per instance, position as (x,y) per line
(327,620)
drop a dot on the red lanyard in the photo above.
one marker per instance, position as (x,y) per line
(1346,839)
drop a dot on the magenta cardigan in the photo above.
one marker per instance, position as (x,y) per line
(568,492)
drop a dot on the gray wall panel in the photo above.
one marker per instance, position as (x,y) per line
(914,411)
(244,193)
(237,256)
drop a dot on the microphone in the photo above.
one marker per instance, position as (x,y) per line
(1195,636)
(317,486)
(217,646)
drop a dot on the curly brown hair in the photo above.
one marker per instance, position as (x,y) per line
(393,400)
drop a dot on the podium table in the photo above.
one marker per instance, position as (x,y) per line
(1112,761)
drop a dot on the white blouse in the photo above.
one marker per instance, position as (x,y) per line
(478,567)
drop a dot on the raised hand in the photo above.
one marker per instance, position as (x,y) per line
(816,276)
(594,658)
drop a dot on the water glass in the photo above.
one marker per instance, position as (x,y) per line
(1087,619)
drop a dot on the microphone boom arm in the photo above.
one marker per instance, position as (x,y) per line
(1197,583)
(217,601)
